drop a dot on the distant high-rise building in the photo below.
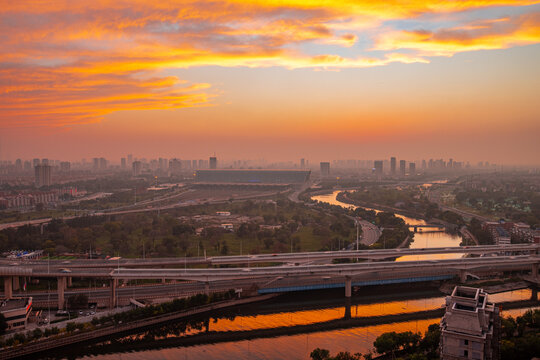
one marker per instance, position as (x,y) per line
(163,164)
(43,175)
(27,166)
(175,166)
(194,164)
(393,165)
(201,164)
(45,161)
(136,167)
(154,165)
(186,164)
(123,163)
(35,162)
(302,163)
(378,166)
(412,168)
(424,165)
(470,327)
(213,162)
(65,166)
(325,168)
(402,167)
(129,159)
(102,163)
(95,163)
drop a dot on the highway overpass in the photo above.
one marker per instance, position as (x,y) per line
(290,277)
(300,257)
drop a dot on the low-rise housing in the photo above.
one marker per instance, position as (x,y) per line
(16,312)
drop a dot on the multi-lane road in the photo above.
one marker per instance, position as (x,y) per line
(56,267)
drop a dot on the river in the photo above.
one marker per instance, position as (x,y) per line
(288,311)
(421,239)
(296,310)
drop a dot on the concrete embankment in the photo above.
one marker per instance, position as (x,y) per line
(107,332)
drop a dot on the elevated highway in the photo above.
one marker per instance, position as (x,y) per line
(296,258)
(268,279)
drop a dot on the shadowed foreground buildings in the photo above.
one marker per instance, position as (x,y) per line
(470,327)
(16,312)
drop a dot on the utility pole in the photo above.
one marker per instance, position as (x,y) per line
(49,290)
(357,233)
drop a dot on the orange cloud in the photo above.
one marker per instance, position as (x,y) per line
(486,35)
(67,62)
(56,97)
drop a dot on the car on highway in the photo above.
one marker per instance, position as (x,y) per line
(65,270)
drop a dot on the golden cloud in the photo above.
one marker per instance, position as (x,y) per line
(68,62)
(486,35)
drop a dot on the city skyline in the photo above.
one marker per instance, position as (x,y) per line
(272,78)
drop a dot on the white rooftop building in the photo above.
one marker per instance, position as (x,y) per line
(470,327)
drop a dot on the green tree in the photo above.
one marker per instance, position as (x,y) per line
(70,327)
(387,343)
(320,354)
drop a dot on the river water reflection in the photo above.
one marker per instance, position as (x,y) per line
(297,346)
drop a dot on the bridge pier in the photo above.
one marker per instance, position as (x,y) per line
(61,287)
(16,283)
(462,276)
(534,271)
(348,286)
(69,282)
(347,308)
(534,294)
(114,300)
(207,288)
(8,287)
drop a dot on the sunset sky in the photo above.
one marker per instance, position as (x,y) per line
(274,79)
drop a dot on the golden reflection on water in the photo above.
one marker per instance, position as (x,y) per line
(358,339)
(306,317)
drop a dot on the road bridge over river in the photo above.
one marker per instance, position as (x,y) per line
(299,272)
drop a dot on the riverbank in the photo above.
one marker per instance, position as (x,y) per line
(101,333)
(344,198)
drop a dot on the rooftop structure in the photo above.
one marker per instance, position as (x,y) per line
(470,326)
(253,176)
(16,312)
